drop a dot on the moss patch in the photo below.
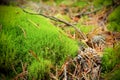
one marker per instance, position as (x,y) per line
(114,20)
(111,63)
(27,38)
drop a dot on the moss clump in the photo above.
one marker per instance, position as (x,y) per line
(114,20)
(37,71)
(109,60)
(33,40)
(85,28)
(80,4)
(111,63)
(113,75)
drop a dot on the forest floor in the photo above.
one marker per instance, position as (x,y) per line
(88,26)
(94,34)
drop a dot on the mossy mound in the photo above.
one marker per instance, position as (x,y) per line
(33,40)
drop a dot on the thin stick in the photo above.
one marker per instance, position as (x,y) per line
(87,13)
(33,23)
(56,19)
(14,69)
(65,73)
(23,31)
(34,55)
(56,73)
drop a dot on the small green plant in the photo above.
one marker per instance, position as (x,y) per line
(31,39)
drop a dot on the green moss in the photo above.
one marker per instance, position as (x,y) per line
(114,20)
(22,32)
(63,17)
(37,71)
(6,46)
(110,63)
(85,28)
(114,74)
(109,60)
(102,2)
(80,4)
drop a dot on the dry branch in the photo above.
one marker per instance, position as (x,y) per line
(87,13)
(59,20)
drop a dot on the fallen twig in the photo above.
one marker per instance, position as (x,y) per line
(87,13)
(56,19)
(23,31)
(34,55)
(65,73)
(21,75)
(14,69)
(37,26)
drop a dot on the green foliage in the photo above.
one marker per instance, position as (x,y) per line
(84,28)
(36,70)
(115,75)
(74,3)
(65,2)
(102,2)
(80,4)
(58,1)
(63,17)
(109,60)
(6,46)
(114,20)
(37,0)
(22,33)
